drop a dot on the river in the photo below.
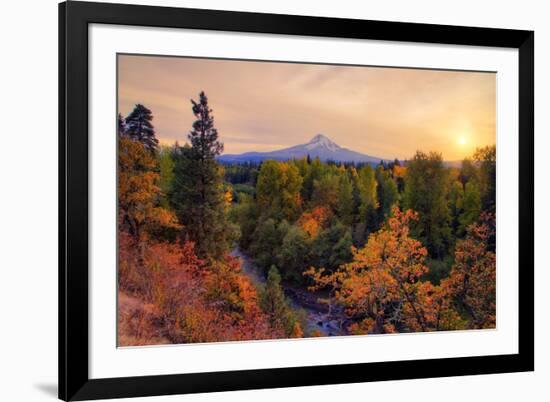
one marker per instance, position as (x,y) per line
(317,315)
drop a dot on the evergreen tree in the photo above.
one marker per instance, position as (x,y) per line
(204,137)
(273,302)
(121,126)
(198,195)
(272,299)
(140,128)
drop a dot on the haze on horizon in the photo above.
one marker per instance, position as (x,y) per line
(265,106)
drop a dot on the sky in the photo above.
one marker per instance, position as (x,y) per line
(264,106)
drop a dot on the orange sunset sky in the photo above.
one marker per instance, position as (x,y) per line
(263,106)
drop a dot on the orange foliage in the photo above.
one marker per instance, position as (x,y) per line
(297,331)
(472,281)
(399,171)
(312,222)
(381,288)
(138,191)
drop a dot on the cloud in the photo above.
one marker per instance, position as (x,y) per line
(386,112)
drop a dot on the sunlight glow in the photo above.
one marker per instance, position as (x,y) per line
(460,113)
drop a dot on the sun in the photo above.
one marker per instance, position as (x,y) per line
(462,141)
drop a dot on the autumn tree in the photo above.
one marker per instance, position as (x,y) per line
(139,127)
(138,192)
(314,221)
(398,174)
(198,194)
(381,288)
(367,190)
(472,281)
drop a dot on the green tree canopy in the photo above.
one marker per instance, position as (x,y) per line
(471,207)
(426,193)
(278,190)
(486,157)
(274,303)
(345,204)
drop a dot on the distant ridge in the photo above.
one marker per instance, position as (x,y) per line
(320,146)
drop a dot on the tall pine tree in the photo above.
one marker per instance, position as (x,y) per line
(198,195)
(204,137)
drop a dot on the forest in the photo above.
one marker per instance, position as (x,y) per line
(212,251)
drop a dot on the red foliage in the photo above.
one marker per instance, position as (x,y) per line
(190,300)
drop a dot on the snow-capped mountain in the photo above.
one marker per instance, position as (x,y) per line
(319,146)
(320,141)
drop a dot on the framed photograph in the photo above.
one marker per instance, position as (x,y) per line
(258,201)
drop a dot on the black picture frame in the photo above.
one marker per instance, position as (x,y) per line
(74,18)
